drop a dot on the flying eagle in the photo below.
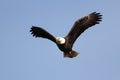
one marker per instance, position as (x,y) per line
(65,44)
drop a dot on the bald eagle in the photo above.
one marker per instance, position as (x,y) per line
(65,44)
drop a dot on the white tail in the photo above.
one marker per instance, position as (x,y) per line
(71,54)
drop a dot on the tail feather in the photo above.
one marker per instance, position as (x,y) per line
(71,54)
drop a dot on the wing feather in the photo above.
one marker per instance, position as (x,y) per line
(40,32)
(81,25)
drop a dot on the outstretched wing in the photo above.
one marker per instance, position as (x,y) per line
(81,25)
(40,32)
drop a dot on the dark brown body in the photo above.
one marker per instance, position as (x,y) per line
(67,49)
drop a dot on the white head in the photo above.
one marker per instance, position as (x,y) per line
(60,40)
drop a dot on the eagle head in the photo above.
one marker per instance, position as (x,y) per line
(60,40)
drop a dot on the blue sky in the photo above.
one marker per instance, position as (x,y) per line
(23,57)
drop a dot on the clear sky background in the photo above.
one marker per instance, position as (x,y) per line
(23,57)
